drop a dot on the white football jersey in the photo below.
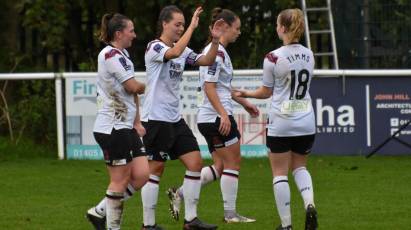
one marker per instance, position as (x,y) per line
(115,107)
(221,72)
(289,70)
(162,98)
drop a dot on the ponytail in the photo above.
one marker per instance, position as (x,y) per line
(110,24)
(293,22)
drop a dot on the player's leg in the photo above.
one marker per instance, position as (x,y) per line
(279,165)
(186,149)
(301,148)
(191,190)
(303,178)
(140,170)
(280,159)
(116,148)
(212,172)
(119,177)
(228,148)
(139,176)
(149,193)
(209,174)
(159,136)
(229,182)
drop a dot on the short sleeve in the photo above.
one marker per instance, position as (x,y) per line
(156,51)
(270,62)
(212,72)
(119,66)
(190,56)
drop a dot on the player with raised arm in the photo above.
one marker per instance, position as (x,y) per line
(287,75)
(216,122)
(168,136)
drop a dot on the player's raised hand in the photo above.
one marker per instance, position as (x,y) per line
(196,17)
(218,29)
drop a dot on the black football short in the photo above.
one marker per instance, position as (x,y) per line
(298,144)
(167,140)
(121,146)
(213,136)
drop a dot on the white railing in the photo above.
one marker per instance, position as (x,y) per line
(250,72)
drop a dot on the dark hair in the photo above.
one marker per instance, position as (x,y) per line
(218,13)
(293,21)
(110,23)
(166,15)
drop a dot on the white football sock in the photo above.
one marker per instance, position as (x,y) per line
(305,185)
(282,199)
(101,207)
(114,209)
(191,192)
(149,197)
(229,188)
(208,174)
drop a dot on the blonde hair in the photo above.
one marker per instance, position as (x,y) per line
(293,21)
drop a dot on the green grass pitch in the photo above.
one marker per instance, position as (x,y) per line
(350,193)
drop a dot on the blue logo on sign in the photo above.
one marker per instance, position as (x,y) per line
(84,90)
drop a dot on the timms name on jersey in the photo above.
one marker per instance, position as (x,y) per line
(221,73)
(288,70)
(162,98)
(115,107)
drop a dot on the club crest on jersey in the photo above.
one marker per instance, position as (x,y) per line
(212,69)
(272,58)
(123,62)
(158,48)
(111,54)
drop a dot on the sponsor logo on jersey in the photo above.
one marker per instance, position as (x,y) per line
(295,106)
(191,59)
(157,47)
(176,71)
(212,69)
(123,62)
